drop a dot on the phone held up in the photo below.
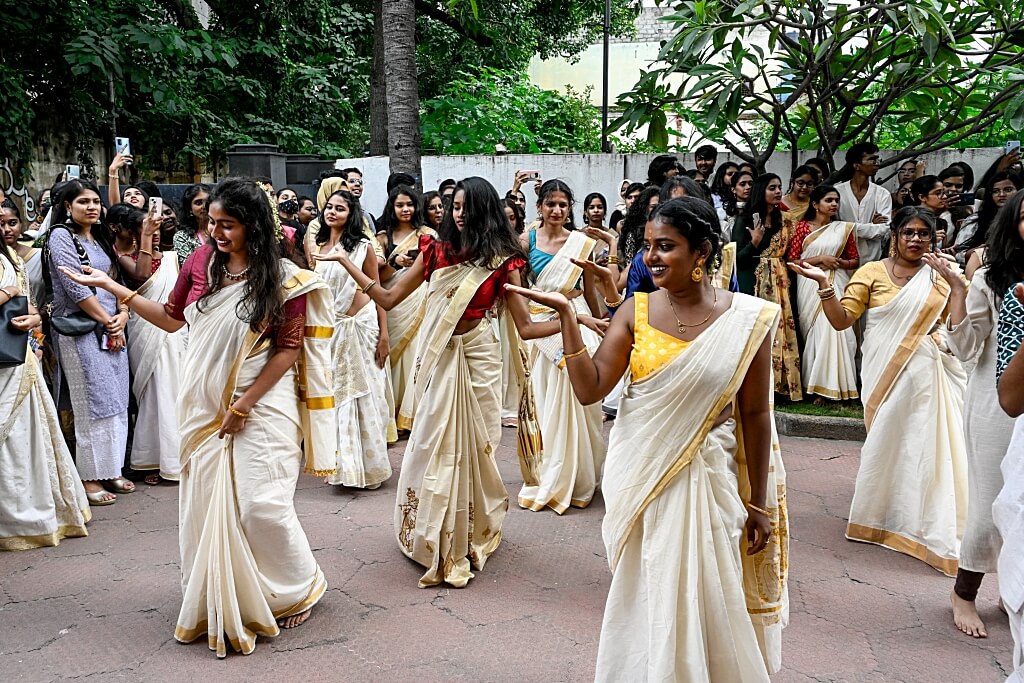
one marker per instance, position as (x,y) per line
(1012,146)
(123,146)
(73,171)
(156,206)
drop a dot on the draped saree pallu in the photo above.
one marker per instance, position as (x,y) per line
(828,364)
(156,358)
(911,490)
(404,323)
(771,282)
(451,499)
(244,556)
(570,467)
(42,500)
(359,385)
(684,604)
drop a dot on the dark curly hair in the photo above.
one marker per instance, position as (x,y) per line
(262,303)
(695,220)
(632,236)
(1005,252)
(354,233)
(487,239)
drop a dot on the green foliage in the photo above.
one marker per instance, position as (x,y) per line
(816,74)
(479,110)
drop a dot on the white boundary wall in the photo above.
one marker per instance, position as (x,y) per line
(586,173)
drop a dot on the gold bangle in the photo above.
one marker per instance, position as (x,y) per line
(239,413)
(613,260)
(757,509)
(616,303)
(368,286)
(567,356)
(147,252)
(124,301)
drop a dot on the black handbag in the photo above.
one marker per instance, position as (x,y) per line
(13,342)
(74,324)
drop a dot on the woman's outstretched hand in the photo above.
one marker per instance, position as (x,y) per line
(604,278)
(335,255)
(808,271)
(552,300)
(946,268)
(758,530)
(90,277)
(596,324)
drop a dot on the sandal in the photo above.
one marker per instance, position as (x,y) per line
(96,498)
(119,485)
(153,480)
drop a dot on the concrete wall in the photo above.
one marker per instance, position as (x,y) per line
(587,173)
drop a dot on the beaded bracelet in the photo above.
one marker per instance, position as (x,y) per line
(239,413)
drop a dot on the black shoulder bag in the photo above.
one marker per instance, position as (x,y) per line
(74,324)
(13,342)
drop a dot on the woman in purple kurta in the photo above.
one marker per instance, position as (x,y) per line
(92,369)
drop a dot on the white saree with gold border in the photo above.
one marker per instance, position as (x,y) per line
(911,490)
(404,322)
(359,385)
(156,358)
(684,605)
(828,365)
(570,467)
(451,499)
(41,496)
(245,559)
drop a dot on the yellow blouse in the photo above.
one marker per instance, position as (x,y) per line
(652,348)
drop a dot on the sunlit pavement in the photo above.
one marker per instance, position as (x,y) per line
(104,607)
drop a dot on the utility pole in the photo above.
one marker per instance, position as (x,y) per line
(605,146)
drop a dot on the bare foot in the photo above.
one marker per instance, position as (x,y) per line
(965,616)
(294,620)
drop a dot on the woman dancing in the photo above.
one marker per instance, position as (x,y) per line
(253,389)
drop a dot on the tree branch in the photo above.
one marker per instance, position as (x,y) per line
(471,32)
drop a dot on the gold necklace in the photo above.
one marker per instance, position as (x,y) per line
(680,325)
(903,277)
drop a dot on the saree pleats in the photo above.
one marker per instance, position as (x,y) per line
(451,500)
(772,284)
(911,489)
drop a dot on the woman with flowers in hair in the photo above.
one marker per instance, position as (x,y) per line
(256,387)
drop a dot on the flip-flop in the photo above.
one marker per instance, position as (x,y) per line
(96,500)
(119,485)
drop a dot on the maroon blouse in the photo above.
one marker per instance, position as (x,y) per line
(437,255)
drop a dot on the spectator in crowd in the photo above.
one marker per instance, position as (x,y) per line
(821,166)
(446,188)
(828,366)
(762,237)
(862,202)
(929,192)
(661,167)
(974,231)
(287,204)
(972,326)
(695,174)
(721,188)
(43,204)
(901,197)
(31,264)
(907,172)
(92,368)
(432,209)
(307,210)
(629,195)
(400,178)
(192,229)
(705,158)
(749,167)
(801,184)
(514,214)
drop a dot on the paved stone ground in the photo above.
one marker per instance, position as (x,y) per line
(103,607)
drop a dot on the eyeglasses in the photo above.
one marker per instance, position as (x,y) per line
(919,235)
(355,181)
(904,190)
(942,192)
(805,183)
(1003,190)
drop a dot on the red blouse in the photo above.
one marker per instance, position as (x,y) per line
(437,255)
(191,285)
(803,229)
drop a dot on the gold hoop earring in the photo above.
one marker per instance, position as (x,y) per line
(698,271)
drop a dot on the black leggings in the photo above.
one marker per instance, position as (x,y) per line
(967,584)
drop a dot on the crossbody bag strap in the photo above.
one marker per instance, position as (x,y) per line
(83,259)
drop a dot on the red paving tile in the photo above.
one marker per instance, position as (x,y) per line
(104,606)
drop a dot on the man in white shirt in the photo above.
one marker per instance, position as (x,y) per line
(862,202)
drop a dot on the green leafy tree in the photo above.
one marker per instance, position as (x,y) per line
(822,75)
(479,110)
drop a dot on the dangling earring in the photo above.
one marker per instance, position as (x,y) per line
(892,248)
(255,249)
(698,271)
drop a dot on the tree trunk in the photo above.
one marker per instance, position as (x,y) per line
(378,92)
(399,32)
